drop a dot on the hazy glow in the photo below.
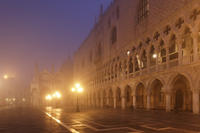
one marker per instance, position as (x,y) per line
(77,88)
(154,55)
(80,90)
(128,52)
(48,97)
(77,85)
(57,94)
(73,89)
(23,99)
(5,76)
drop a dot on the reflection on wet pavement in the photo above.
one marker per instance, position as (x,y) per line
(106,121)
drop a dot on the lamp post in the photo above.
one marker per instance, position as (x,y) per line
(77,89)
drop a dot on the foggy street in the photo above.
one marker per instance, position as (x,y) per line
(57,120)
(100,66)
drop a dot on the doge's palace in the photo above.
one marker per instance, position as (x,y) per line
(142,54)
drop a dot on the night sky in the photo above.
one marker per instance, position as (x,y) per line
(42,31)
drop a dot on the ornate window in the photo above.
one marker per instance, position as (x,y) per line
(153,56)
(162,52)
(137,63)
(173,50)
(144,60)
(130,66)
(114,35)
(187,45)
(143,10)
(198,39)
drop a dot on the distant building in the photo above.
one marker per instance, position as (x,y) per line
(143,54)
(47,82)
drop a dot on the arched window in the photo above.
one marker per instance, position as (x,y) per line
(137,68)
(143,10)
(130,66)
(120,67)
(173,54)
(152,56)
(116,71)
(125,66)
(187,45)
(144,60)
(114,35)
(198,39)
(162,52)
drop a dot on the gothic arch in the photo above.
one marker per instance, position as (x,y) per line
(181,93)
(128,96)
(173,76)
(110,97)
(157,96)
(118,97)
(140,93)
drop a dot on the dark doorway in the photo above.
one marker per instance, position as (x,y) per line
(179,100)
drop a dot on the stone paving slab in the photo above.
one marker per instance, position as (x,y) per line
(108,121)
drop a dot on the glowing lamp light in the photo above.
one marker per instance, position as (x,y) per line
(77,85)
(73,89)
(80,90)
(154,56)
(57,94)
(128,52)
(48,97)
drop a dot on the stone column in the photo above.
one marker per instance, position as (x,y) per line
(102,102)
(107,100)
(195,46)
(148,102)
(115,102)
(196,101)
(134,101)
(180,55)
(167,56)
(123,102)
(148,61)
(133,61)
(168,102)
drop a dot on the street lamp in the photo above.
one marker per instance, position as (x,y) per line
(77,89)
(57,95)
(48,97)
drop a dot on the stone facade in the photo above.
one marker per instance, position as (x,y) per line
(143,54)
(47,82)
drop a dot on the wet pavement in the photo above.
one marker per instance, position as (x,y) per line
(117,121)
(27,120)
(56,120)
